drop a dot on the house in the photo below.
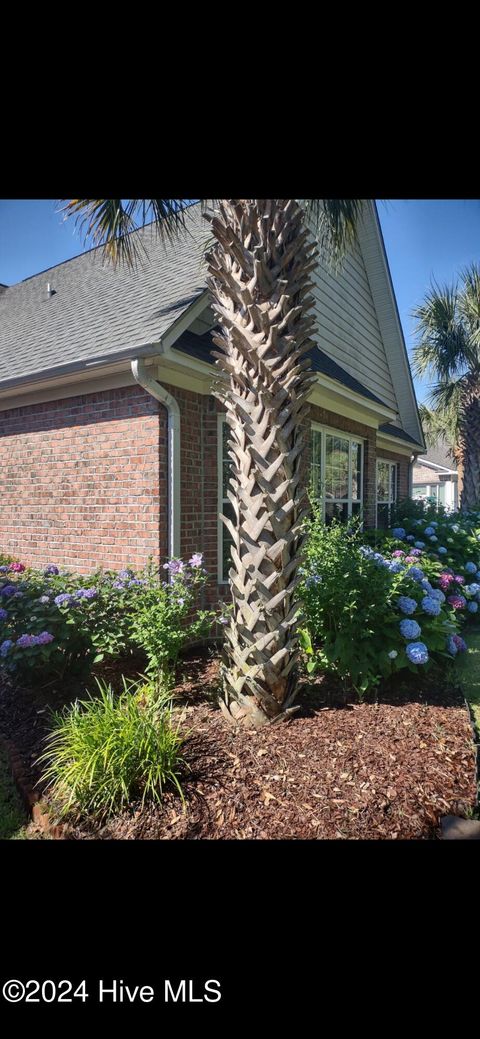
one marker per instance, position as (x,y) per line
(112,447)
(435,477)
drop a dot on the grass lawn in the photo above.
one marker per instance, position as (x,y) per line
(13,818)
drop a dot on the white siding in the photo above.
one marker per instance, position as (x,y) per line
(347,325)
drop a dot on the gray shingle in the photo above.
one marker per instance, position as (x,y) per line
(98,310)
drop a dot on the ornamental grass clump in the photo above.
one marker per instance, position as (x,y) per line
(108,752)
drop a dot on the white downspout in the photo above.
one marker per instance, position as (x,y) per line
(140,374)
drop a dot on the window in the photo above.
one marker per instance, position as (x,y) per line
(224,506)
(387,488)
(336,473)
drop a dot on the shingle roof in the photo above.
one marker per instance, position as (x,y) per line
(97,310)
(200,346)
(440,455)
(396,431)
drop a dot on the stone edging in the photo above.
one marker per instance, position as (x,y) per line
(34,806)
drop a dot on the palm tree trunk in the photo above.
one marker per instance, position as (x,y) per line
(259,278)
(469,444)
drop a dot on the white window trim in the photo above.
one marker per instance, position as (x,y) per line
(352,438)
(389,462)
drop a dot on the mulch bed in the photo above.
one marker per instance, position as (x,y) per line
(335,770)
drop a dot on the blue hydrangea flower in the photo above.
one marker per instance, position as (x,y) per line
(416,573)
(472,607)
(313,580)
(406,605)
(410,629)
(64,599)
(436,593)
(3,615)
(472,589)
(442,551)
(365,551)
(429,530)
(4,648)
(398,532)
(417,652)
(431,606)
(455,528)
(433,523)
(427,587)
(44,599)
(393,653)
(433,537)
(410,537)
(471,568)
(395,567)
(8,589)
(451,647)
(419,544)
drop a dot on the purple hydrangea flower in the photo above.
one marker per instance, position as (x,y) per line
(51,570)
(3,615)
(459,579)
(5,647)
(44,599)
(125,574)
(85,593)
(44,638)
(175,566)
(25,641)
(119,585)
(417,652)
(410,629)
(8,589)
(415,551)
(4,569)
(196,560)
(64,599)
(457,601)
(431,606)
(406,605)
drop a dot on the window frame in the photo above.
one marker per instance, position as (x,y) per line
(353,438)
(391,501)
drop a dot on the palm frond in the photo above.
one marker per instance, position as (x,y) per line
(334,222)
(443,348)
(438,424)
(469,302)
(109,223)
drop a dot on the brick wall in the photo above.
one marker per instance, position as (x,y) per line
(84,480)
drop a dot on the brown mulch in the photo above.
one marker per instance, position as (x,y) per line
(386,770)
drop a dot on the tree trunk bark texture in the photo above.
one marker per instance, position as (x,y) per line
(259,279)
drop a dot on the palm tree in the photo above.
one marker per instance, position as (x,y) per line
(448,352)
(259,270)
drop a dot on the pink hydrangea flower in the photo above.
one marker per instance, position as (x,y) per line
(16,568)
(398,553)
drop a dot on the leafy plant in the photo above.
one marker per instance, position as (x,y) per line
(106,752)
(352,600)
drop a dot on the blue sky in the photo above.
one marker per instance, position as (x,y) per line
(424,238)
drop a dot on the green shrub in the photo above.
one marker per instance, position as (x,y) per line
(104,753)
(350,597)
(54,624)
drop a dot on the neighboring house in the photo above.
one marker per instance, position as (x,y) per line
(112,447)
(435,477)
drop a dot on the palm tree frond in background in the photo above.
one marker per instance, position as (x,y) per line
(334,222)
(110,221)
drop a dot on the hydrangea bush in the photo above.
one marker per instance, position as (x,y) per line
(54,623)
(369,614)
